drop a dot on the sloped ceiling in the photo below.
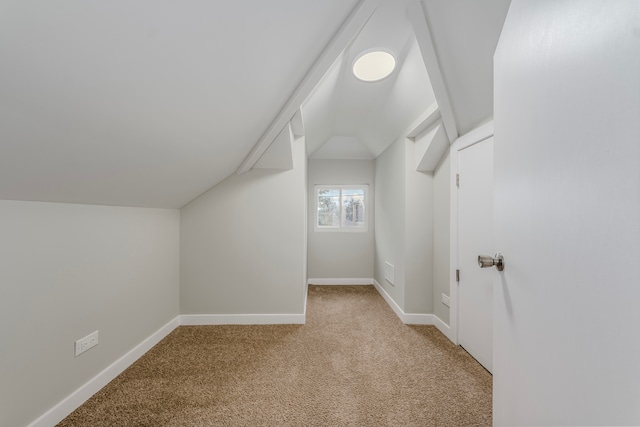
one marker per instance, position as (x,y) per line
(145,103)
(348,118)
(151,103)
(465,35)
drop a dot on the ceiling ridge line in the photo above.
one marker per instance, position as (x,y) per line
(351,27)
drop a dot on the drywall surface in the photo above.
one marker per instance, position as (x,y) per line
(65,271)
(465,34)
(390,218)
(404,228)
(441,237)
(242,244)
(341,254)
(418,211)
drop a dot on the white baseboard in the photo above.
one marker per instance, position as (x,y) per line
(346,281)
(396,309)
(413,318)
(56,414)
(241,319)
(444,328)
(81,395)
(418,319)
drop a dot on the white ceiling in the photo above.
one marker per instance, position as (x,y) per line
(465,34)
(347,118)
(146,102)
(151,103)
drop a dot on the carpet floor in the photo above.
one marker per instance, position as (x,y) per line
(352,364)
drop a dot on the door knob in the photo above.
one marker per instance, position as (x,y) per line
(485,261)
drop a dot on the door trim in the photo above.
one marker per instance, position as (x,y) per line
(475,136)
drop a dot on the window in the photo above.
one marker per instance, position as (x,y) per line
(341,207)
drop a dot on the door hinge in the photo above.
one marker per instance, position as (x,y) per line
(457,275)
(458,180)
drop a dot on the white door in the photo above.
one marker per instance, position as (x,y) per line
(567,214)
(475,237)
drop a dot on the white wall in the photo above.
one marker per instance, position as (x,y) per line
(418,231)
(65,271)
(341,254)
(243,244)
(403,233)
(390,218)
(441,236)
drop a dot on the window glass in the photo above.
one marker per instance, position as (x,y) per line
(352,208)
(341,208)
(328,208)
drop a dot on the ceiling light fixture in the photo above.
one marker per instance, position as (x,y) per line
(373,65)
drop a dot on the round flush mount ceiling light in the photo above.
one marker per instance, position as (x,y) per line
(371,66)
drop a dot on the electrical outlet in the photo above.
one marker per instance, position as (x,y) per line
(84,344)
(445,300)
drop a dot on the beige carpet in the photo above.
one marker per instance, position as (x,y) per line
(352,364)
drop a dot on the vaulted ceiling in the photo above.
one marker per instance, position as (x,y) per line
(151,103)
(348,118)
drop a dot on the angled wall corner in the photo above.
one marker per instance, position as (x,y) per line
(403,228)
(343,147)
(426,120)
(430,147)
(354,23)
(297,124)
(243,246)
(431,62)
(278,155)
(68,269)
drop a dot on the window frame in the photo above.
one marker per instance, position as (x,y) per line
(340,228)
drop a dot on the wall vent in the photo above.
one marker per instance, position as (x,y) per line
(389,273)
